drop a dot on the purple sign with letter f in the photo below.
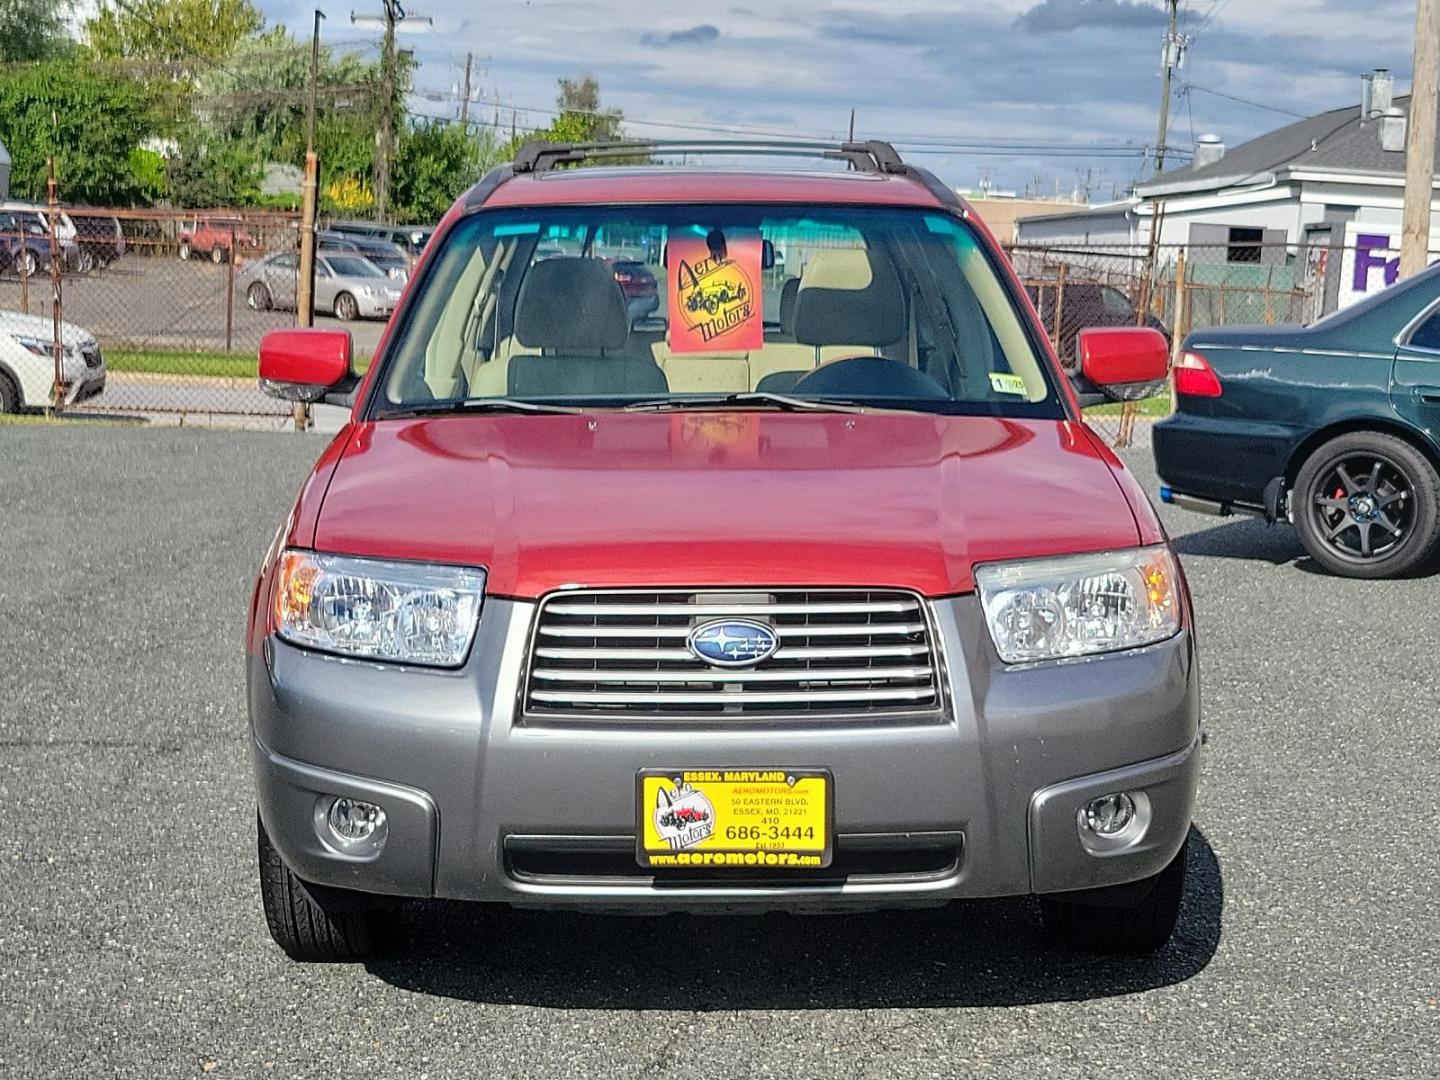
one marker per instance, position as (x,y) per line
(1371,253)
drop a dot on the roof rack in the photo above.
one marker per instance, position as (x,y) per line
(873,156)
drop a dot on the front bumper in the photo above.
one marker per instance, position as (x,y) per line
(375,307)
(980,798)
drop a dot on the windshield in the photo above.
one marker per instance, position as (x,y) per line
(353,266)
(898,309)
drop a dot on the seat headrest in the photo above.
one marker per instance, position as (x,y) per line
(571,303)
(850,297)
(789,292)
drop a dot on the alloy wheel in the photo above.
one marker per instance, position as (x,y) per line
(1363,506)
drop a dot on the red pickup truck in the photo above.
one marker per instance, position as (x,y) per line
(213,238)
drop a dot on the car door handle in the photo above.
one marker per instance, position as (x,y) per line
(1430,395)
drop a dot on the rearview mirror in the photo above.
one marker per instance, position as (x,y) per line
(306,364)
(1121,356)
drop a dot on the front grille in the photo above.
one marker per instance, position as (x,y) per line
(626,654)
(91,353)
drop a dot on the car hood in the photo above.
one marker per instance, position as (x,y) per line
(722,499)
(16,323)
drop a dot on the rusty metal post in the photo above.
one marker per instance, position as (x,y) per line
(230,293)
(21,254)
(1177,324)
(1059,309)
(57,344)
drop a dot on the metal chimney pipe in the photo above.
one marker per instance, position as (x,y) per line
(1392,130)
(1383,91)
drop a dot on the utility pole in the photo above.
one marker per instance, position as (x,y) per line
(393,18)
(305,286)
(1420,140)
(1172,58)
(852,126)
(465,95)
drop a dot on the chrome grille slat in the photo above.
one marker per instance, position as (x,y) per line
(875,630)
(719,698)
(721,675)
(798,653)
(624,654)
(717,610)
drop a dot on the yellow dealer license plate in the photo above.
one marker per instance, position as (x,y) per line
(758,819)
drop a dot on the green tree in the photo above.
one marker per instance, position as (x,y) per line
(189,37)
(434,163)
(89,120)
(260,95)
(31,30)
(211,173)
(581,119)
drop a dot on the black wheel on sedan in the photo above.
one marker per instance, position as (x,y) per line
(1136,918)
(314,923)
(257,297)
(1367,505)
(346,308)
(9,395)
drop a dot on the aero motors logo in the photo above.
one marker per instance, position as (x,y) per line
(683,816)
(717,296)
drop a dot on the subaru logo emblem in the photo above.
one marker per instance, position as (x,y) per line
(733,642)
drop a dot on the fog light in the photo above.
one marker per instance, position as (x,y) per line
(1109,814)
(351,819)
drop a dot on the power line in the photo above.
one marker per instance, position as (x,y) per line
(1210,16)
(1188,87)
(940,143)
(918,148)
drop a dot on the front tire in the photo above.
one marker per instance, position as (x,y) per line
(29,263)
(258,298)
(9,395)
(217,255)
(1124,919)
(346,309)
(1367,505)
(312,923)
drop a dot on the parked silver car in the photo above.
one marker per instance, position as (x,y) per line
(348,286)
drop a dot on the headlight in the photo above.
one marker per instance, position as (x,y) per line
(368,290)
(38,346)
(1044,609)
(409,613)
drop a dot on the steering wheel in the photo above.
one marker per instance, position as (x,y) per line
(871,376)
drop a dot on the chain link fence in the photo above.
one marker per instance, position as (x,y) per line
(1176,289)
(176,302)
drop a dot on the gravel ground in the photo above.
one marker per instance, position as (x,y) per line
(132,942)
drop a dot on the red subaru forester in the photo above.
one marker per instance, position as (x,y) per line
(807,588)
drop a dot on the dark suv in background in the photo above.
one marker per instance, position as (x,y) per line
(1083,306)
(100,239)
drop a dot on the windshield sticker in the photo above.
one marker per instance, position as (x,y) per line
(714,290)
(1004,383)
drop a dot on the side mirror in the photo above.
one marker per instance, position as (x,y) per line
(1123,356)
(306,364)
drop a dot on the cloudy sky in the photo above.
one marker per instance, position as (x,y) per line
(1032,93)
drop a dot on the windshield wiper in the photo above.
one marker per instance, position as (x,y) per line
(483,405)
(754,398)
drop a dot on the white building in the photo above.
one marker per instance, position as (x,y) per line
(1323,195)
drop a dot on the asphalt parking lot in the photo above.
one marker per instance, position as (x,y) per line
(132,942)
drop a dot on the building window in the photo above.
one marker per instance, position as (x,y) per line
(1245,245)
